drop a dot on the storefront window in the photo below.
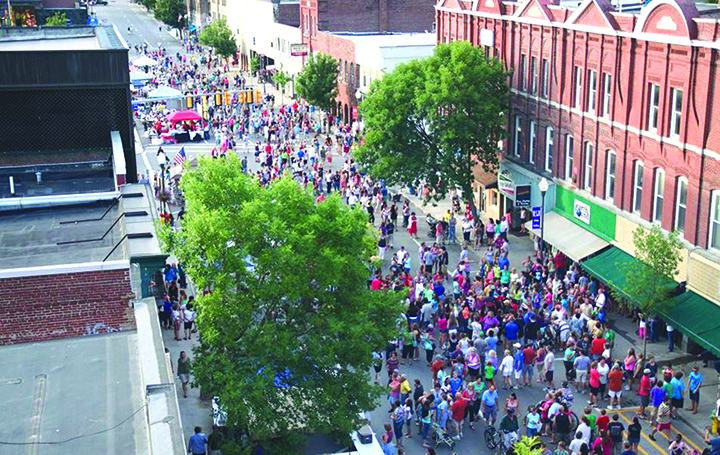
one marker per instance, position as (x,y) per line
(22,16)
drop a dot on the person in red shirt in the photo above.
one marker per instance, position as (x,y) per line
(458,413)
(644,391)
(615,380)
(437,365)
(598,346)
(602,421)
(528,364)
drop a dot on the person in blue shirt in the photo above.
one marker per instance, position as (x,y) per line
(503,262)
(677,394)
(489,405)
(197,445)
(511,330)
(455,382)
(694,383)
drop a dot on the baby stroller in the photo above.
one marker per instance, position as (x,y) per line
(440,436)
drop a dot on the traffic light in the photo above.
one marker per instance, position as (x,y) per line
(249,97)
(189,102)
(218,99)
(258,97)
(241,97)
(228,98)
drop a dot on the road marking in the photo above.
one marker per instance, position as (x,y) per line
(38,406)
(149,45)
(644,436)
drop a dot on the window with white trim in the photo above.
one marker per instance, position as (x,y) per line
(533,75)
(549,148)
(522,82)
(518,134)
(653,106)
(577,101)
(592,90)
(610,175)
(569,156)
(545,78)
(714,241)
(658,195)
(681,204)
(676,112)
(607,94)
(638,171)
(533,141)
(587,180)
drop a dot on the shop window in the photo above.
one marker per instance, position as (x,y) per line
(658,195)
(681,204)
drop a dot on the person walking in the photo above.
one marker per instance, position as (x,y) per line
(198,443)
(183,370)
(188,319)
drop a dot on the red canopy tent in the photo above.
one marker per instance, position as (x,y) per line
(181,116)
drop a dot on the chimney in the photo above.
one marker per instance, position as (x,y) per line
(383,16)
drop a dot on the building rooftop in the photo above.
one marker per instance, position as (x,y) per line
(390,39)
(100,410)
(60,39)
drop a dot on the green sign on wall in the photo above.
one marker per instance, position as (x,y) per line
(585,213)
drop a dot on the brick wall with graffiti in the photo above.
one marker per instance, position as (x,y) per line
(47,307)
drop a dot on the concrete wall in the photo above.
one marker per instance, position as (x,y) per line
(48,303)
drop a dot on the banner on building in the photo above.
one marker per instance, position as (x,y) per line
(522,195)
(582,211)
(537,214)
(299,50)
(506,185)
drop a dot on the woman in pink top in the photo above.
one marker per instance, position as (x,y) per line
(594,382)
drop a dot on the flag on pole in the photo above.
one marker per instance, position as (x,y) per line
(179,157)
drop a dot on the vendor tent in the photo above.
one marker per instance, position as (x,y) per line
(144,61)
(181,116)
(165,92)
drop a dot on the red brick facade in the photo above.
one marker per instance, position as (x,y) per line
(47,307)
(642,86)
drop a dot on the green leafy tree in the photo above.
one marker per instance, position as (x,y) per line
(171,12)
(56,20)
(317,83)
(281,78)
(149,4)
(255,64)
(436,119)
(288,331)
(528,446)
(219,36)
(649,284)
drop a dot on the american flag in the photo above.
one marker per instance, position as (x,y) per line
(179,157)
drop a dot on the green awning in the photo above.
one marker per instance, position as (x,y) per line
(695,316)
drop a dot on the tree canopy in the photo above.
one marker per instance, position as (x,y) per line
(317,83)
(219,36)
(289,328)
(168,11)
(436,119)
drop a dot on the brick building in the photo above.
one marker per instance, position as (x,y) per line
(344,29)
(617,110)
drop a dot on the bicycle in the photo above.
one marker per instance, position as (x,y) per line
(496,439)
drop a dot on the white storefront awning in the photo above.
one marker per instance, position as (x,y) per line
(574,241)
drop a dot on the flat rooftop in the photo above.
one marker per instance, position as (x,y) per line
(30,238)
(60,39)
(78,395)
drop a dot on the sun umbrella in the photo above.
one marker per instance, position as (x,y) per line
(144,61)
(181,116)
(139,76)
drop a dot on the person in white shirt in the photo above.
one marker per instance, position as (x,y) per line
(188,319)
(506,368)
(549,364)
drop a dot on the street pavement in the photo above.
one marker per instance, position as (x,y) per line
(197,412)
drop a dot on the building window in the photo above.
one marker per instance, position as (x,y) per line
(653,106)
(577,102)
(587,181)
(658,195)
(352,73)
(346,78)
(523,77)
(638,186)
(549,149)
(607,94)
(676,115)
(545,78)
(518,134)
(533,75)
(533,141)
(569,156)
(592,90)
(340,70)
(714,241)
(681,204)
(610,176)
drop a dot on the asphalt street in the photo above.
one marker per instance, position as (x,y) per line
(148,31)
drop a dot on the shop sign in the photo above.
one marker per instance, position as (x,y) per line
(537,213)
(522,196)
(299,50)
(506,185)
(582,211)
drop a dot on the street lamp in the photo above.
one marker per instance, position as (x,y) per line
(543,186)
